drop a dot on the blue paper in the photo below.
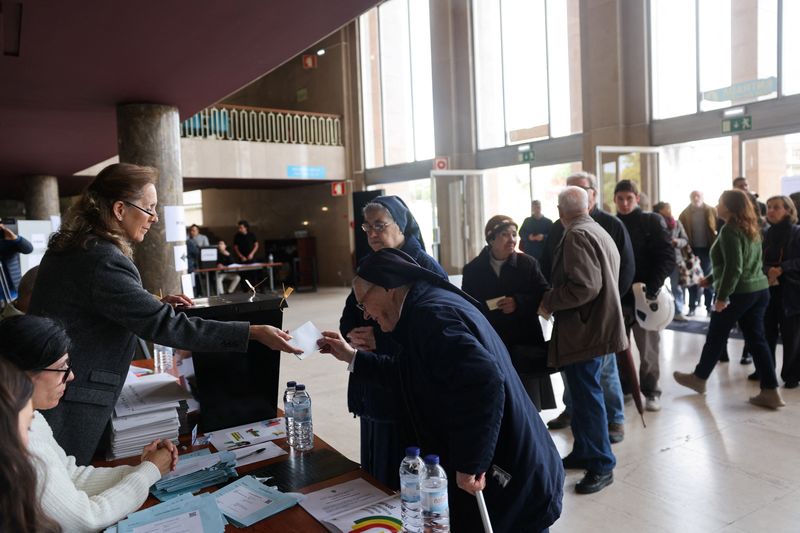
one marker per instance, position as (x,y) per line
(246,501)
(185,513)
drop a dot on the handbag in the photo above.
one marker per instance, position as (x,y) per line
(690,272)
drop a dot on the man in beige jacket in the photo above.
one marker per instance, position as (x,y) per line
(588,326)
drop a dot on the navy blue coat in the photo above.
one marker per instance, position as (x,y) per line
(790,263)
(363,397)
(466,403)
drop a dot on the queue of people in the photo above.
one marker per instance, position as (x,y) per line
(459,370)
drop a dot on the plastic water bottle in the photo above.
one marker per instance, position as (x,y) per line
(435,510)
(411,471)
(303,427)
(288,394)
(162,360)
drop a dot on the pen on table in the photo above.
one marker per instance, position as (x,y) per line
(245,456)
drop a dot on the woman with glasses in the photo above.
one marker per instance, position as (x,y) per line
(87,281)
(78,498)
(19,508)
(388,224)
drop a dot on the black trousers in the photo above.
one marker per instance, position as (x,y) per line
(788,327)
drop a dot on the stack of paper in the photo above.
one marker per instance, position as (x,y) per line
(354,505)
(194,472)
(246,501)
(146,410)
(185,514)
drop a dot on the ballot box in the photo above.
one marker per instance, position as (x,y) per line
(237,388)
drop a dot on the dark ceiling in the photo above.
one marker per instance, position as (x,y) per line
(77,60)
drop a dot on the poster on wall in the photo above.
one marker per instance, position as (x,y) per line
(174,223)
(181,256)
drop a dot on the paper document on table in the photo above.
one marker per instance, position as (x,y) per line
(382,517)
(150,393)
(183,514)
(271,450)
(305,337)
(246,501)
(349,496)
(248,434)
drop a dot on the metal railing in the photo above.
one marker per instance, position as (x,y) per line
(241,123)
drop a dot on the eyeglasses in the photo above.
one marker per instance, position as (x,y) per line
(380,227)
(360,305)
(142,209)
(66,371)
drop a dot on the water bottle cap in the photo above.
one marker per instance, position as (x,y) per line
(291,384)
(300,387)
(431,459)
(412,451)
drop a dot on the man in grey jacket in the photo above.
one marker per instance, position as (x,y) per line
(588,326)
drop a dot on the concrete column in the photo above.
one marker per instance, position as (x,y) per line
(148,134)
(41,197)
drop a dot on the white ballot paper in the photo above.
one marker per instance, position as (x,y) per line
(244,457)
(336,500)
(492,304)
(185,523)
(305,337)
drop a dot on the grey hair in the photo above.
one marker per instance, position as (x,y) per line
(573,200)
(359,282)
(375,206)
(582,175)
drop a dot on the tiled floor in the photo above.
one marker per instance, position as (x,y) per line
(703,464)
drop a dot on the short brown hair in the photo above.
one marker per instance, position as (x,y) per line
(788,204)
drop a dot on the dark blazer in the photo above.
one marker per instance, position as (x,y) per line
(615,228)
(467,405)
(363,397)
(97,295)
(790,279)
(521,278)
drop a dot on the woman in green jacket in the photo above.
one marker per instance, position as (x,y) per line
(742,295)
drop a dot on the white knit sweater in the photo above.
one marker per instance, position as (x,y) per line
(84,498)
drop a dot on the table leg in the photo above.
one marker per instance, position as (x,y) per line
(208,284)
(271,279)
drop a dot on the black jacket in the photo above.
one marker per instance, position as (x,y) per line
(615,228)
(363,397)
(521,278)
(652,248)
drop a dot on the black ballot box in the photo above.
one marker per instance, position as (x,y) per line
(237,388)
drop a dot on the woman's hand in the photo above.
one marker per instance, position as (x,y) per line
(274,338)
(177,300)
(333,343)
(773,274)
(704,283)
(163,454)
(507,305)
(362,338)
(720,305)
(470,482)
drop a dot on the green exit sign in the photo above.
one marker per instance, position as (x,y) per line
(526,156)
(730,125)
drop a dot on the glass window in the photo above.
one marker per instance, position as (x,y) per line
(673,58)
(791,47)
(547,181)
(507,191)
(397,94)
(705,165)
(418,196)
(488,53)
(772,165)
(564,67)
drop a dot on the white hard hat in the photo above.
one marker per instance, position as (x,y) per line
(653,315)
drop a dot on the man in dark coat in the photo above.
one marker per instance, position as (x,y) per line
(609,377)
(463,397)
(534,230)
(655,259)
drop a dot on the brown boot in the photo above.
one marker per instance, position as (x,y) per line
(769,398)
(691,381)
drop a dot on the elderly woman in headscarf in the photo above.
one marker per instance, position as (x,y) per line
(388,224)
(509,285)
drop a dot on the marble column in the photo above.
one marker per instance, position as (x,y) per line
(148,134)
(41,197)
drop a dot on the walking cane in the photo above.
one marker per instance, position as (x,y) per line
(487,525)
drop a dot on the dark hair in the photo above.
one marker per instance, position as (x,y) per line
(32,342)
(738,179)
(19,508)
(743,216)
(659,206)
(92,216)
(244,223)
(195,226)
(788,205)
(626,186)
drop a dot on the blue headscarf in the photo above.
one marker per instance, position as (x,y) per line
(402,216)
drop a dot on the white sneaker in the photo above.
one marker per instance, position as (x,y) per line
(652,403)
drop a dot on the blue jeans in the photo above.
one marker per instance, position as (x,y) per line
(612,390)
(694,290)
(748,309)
(589,420)
(677,290)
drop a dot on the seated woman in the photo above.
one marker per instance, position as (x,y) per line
(79,498)
(19,508)
(509,286)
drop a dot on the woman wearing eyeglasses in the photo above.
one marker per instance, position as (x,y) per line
(78,498)
(87,281)
(388,223)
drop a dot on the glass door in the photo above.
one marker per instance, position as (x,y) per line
(636,163)
(457,216)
